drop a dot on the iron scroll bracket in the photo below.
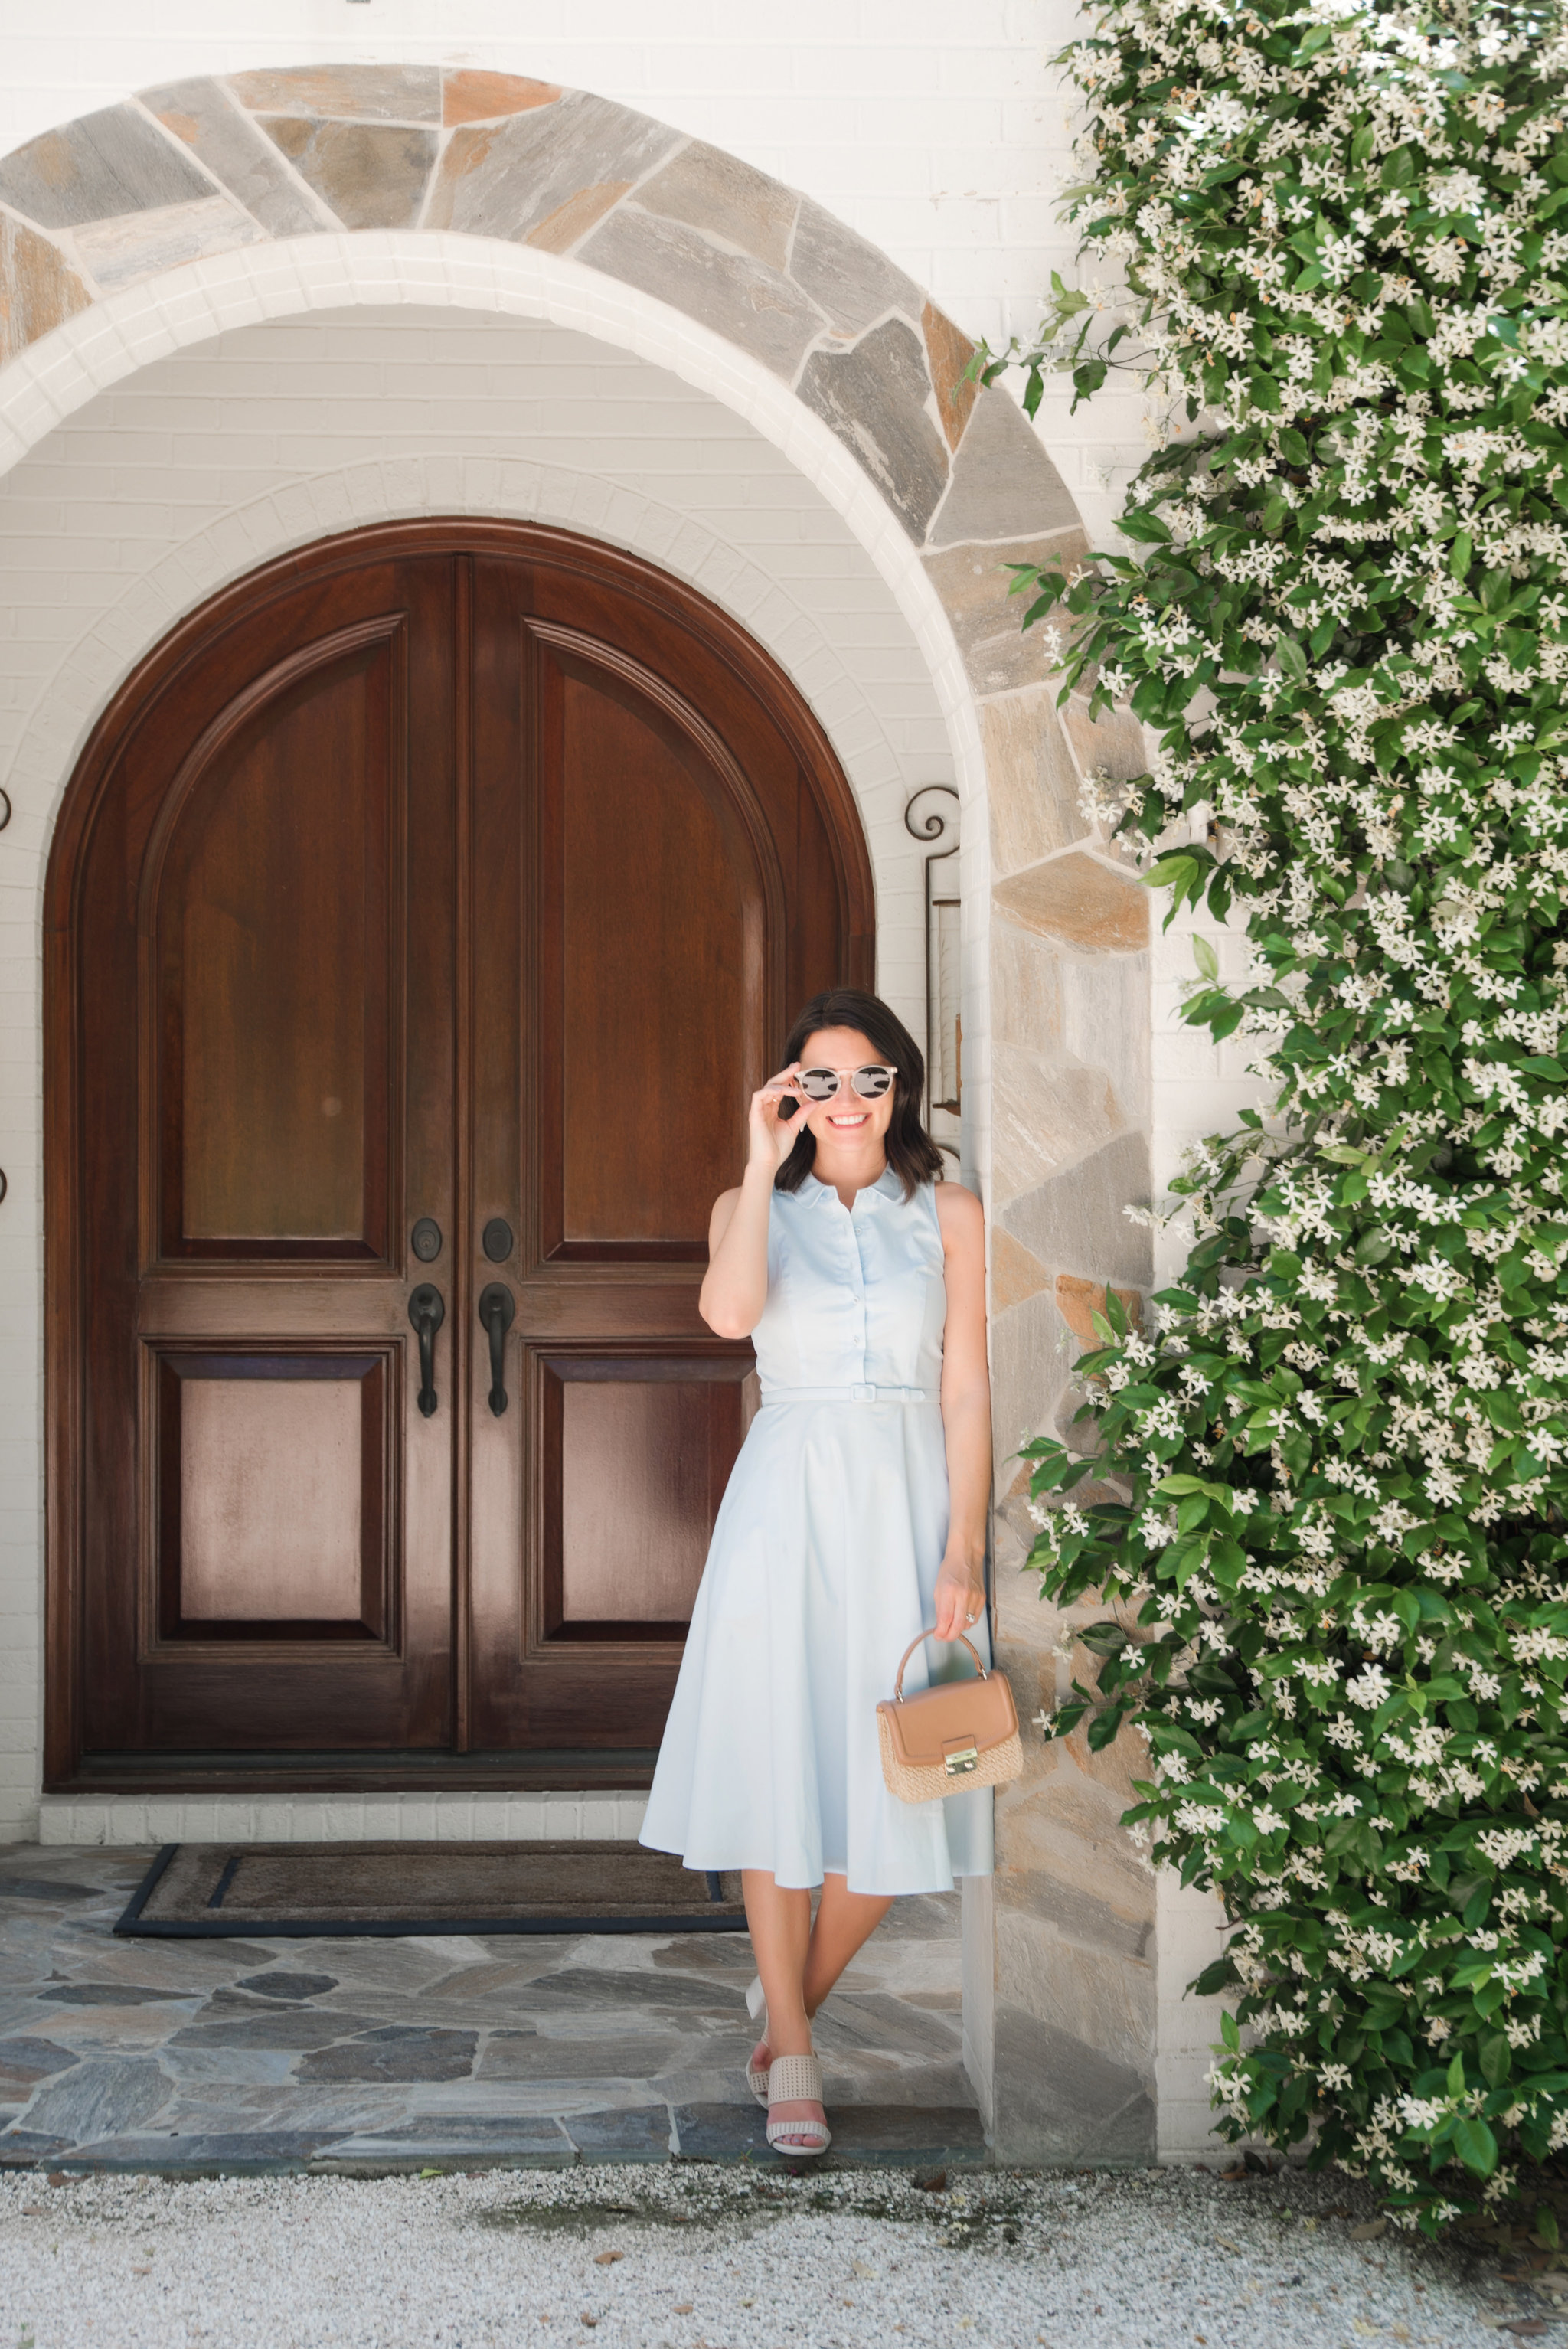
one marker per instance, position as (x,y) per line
(934,823)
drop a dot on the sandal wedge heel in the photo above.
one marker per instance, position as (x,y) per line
(756,2008)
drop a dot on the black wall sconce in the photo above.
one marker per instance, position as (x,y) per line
(943,1018)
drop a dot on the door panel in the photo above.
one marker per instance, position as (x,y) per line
(649,1050)
(272,1474)
(646,855)
(456,876)
(636,1457)
(265,1520)
(273,941)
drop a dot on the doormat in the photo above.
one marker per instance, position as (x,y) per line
(198,1891)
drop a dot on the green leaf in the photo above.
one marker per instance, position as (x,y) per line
(1229,2034)
(1291,658)
(1172,872)
(1103,1729)
(1207,960)
(1171,1487)
(1496,2058)
(1476,2146)
(1478,1907)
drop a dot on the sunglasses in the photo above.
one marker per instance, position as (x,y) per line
(870,1082)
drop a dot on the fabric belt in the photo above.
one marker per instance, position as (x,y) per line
(861,1393)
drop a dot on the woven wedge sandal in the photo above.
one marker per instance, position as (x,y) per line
(798,2079)
(756,2008)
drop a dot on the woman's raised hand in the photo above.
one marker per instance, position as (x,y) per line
(772,1137)
(734,1289)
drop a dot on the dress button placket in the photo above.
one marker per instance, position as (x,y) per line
(858,1285)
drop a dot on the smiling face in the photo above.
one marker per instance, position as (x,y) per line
(847,1127)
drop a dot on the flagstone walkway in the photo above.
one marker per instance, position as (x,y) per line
(372,2056)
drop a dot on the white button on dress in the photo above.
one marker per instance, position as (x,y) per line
(823,1569)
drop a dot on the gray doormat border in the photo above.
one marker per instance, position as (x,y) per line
(132,1924)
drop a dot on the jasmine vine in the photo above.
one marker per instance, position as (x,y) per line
(1325,1482)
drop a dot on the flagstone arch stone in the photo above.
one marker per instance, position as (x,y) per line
(181,177)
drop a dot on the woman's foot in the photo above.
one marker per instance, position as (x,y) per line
(795,2121)
(802,2125)
(761,2060)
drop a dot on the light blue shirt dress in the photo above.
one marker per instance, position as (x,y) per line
(823,1569)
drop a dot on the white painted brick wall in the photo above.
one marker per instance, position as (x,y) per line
(1198,1089)
(940,133)
(130,1821)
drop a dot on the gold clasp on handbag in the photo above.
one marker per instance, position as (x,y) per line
(961,1761)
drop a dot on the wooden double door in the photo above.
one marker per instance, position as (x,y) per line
(420,918)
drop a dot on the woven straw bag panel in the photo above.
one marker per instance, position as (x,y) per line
(997,1765)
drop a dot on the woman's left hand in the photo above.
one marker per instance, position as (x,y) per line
(960,1599)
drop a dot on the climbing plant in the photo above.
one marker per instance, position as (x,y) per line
(1325,1484)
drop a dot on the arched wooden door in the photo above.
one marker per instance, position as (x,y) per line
(421,914)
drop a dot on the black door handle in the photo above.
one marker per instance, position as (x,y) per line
(497,1309)
(426,1312)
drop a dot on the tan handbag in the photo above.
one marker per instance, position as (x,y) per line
(958,1735)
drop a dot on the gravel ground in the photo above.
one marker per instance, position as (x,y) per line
(684,2256)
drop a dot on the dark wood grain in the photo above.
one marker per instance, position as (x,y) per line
(449,869)
(275,960)
(230,1570)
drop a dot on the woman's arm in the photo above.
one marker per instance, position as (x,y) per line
(735,1286)
(965,1410)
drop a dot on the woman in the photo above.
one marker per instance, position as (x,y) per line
(855,1519)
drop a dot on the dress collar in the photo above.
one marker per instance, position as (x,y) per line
(886,1186)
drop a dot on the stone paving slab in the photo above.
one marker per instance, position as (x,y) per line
(368,2055)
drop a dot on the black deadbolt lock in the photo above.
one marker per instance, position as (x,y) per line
(426,1239)
(497,1239)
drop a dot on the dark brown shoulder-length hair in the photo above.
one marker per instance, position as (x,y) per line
(910,1152)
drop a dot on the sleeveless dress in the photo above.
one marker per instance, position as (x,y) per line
(823,1569)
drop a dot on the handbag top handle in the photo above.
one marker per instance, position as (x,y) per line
(898,1684)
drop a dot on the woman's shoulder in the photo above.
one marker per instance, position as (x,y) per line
(724,1208)
(959,1214)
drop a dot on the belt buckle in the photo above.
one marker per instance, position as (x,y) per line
(861,1393)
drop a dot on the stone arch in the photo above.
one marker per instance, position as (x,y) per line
(155,222)
(199,167)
